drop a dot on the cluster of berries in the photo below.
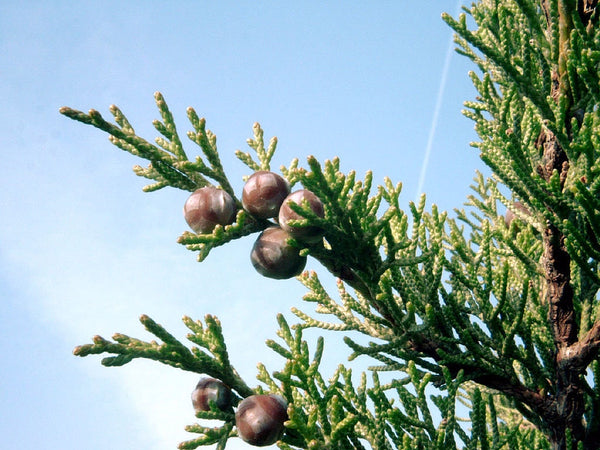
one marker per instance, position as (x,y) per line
(266,195)
(259,418)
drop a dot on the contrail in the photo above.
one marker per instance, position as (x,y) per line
(436,111)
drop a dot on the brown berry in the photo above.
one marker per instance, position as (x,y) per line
(259,419)
(263,194)
(210,389)
(510,215)
(311,233)
(208,207)
(273,257)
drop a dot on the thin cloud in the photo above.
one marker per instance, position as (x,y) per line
(436,111)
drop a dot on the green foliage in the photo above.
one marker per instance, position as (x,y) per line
(209,357)
(395,263)
(516,56)
(451,312)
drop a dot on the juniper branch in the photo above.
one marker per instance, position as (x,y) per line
(171,351)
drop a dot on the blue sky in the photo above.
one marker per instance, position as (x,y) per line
(83,251)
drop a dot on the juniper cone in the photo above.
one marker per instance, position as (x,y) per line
(487,338)
(264,193)
(510,215)
(259,419)
(208,207)
(210,390)
(273,257)
(308,233)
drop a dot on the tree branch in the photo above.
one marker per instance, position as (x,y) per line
(577,357)
(572,356)
(535,400)
(556,265)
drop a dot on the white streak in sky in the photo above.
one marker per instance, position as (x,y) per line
(436,111)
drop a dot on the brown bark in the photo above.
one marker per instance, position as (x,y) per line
(572,356)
